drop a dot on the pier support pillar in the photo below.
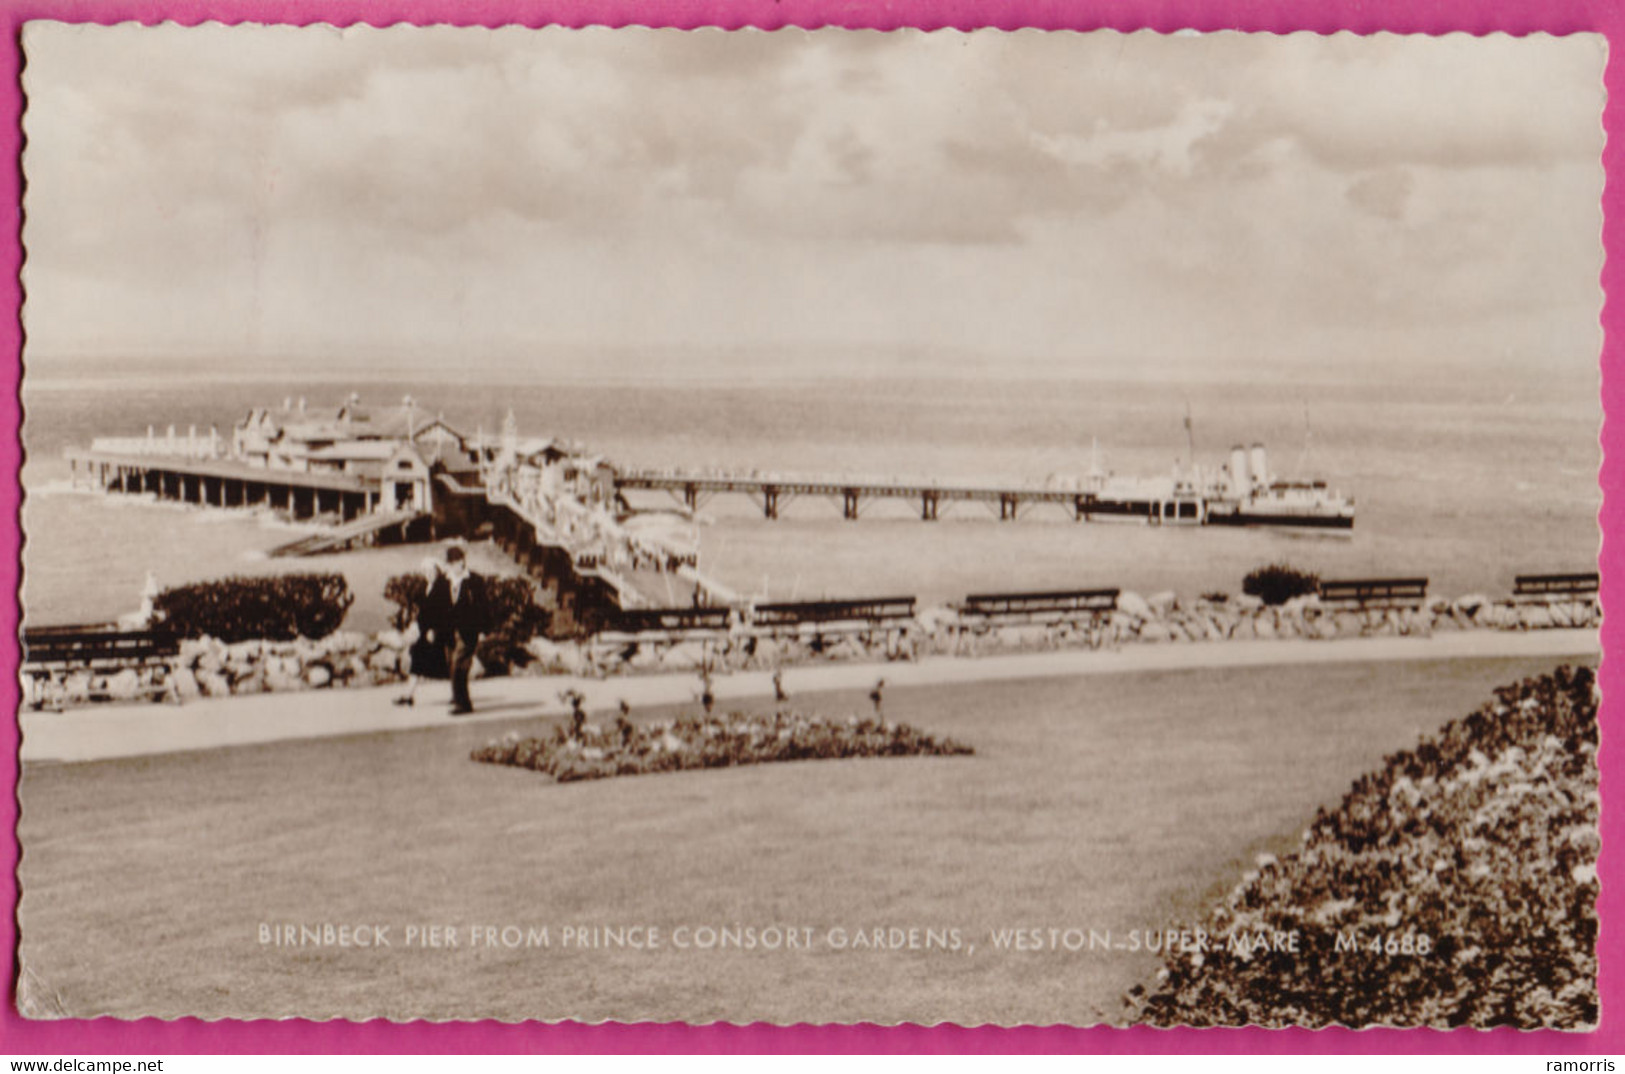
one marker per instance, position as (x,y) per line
(849,504)
(770,501)
(1009,505)
(929,506)
(691,497)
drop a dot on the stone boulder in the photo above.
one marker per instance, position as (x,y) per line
(1536,617)
(274,681)
(126,685)
(183,684)
(345,642)
(191,650)
(1131,604)
(391,639)
(1162,603)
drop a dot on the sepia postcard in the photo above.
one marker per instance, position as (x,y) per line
(826,527)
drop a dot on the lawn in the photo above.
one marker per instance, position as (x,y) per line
(1110,802)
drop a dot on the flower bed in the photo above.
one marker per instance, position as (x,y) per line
(1465,871)
(588,751)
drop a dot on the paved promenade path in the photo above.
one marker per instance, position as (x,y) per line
(105,731)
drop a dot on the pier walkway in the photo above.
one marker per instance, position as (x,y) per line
(109,731)
(1155,502)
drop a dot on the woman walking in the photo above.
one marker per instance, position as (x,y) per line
(425,651)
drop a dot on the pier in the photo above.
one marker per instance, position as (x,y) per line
(396,474)
(1008,503)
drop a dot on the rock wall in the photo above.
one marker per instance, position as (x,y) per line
(1158,619)
(209,668)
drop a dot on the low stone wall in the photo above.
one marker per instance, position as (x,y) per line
(209,668)
(1159,619)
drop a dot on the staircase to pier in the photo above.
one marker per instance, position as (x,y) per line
(347,535)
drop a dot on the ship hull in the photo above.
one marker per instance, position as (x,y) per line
(1258,518)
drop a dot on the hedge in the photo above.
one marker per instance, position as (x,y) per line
(1279,583)
(270,608)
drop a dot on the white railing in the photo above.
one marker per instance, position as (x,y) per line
(170,447)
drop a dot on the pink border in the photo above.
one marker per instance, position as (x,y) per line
(1409,16)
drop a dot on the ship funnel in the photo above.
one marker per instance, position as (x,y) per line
(1261,466)
(1239,483)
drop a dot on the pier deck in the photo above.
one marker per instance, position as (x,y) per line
(774,493)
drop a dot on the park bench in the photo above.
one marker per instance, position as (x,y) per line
(1582,585)
(1041,605)
(97,648)
(670,620)
(872,612)
(1376,592)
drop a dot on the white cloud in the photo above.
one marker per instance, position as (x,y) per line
(242,190)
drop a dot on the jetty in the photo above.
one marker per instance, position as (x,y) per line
(396,474)
(1244,492)
(1009,502)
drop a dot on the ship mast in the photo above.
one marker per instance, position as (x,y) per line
(1308,437)
(1190,441)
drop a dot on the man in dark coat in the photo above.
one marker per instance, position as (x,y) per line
(455,609)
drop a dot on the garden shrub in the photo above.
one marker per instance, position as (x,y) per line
(1279,583)
(406,592)
(270,608)
(515,618)
(1455,885)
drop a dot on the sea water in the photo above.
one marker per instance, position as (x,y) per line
(1464,480)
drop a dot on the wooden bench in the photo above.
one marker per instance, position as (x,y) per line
(96,647)
(670,620)
(1561,586)
(1050,604)
(1376,592)
(875,611)
(48,650)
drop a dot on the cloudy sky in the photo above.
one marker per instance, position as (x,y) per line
(1054,203)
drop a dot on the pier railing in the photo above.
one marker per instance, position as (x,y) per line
(164,447)
(596,543)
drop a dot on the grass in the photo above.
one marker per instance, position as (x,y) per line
(1112,802)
